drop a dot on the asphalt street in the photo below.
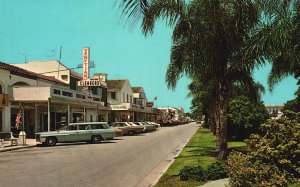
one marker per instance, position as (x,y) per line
(125,161)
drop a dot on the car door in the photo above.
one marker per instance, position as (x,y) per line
(84,132)
(71,134)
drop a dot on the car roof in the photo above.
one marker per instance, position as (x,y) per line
(87,123)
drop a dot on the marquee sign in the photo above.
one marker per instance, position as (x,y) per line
(85,65)
(95,81)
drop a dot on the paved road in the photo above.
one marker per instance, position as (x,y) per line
(127,161)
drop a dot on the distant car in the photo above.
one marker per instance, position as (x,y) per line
(127,128)
(147,127)
(157,125)
(135,124)
(93,132)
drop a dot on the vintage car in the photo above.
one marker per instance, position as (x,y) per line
(157,125)
(118,132)
(127,128)
(92,132)
(147,127)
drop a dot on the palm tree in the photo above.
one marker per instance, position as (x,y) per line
(277,38)
(209,40)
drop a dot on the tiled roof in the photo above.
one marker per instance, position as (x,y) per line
(28,74)
(136,89)
(115,84)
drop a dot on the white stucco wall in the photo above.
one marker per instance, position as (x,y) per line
(49,68)
(126,89)
(7,81)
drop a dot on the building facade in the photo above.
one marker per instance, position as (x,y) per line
(128,103)
(47,95)
(46,103)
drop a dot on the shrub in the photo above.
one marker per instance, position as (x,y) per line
(245,117)
(215,171)
(273,157)
(244,173)
(191,172)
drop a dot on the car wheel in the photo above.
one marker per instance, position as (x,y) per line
(130,133)
(50,141)
(96,139)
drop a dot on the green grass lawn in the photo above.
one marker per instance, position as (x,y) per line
(198,151)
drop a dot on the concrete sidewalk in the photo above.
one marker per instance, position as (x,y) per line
(217,183)
(9,147)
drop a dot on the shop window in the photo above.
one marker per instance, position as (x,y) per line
(99,92)
(0,89)
(100,117)
(68,94)
(79,96)
(127,98)
(64,77)
(113,95)
(57,92)
(124,98)
(91,118)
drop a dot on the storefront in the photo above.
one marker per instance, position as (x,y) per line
(4,100)
(121,116)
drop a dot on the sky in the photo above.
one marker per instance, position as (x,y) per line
(36,30)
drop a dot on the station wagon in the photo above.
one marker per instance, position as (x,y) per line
(93,132)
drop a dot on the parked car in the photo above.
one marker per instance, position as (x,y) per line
(135,124)
(93,132)
(157,125)
(118,132)
(127,128)
(148,127)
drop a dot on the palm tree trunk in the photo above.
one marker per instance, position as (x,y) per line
(221,118)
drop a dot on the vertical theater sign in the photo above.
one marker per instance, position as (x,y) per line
(86,82)
(86,60)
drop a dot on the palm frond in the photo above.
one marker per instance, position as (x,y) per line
(132,10)
(169,10)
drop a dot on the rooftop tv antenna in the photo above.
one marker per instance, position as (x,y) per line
(25,56)
(59,61)
(91,65)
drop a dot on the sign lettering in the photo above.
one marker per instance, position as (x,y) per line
(86,59)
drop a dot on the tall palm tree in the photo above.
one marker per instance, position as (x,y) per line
(209,39)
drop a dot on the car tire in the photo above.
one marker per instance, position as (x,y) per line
(131,133)
(96,139)
(51,141)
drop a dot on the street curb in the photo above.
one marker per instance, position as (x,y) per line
(171,162)
(217,183)
(17,148)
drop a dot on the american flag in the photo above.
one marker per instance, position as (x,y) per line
(18,119)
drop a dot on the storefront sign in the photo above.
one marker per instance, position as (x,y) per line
(95,81)
(16,103)
(85,65)
(118,107)
(4,98)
